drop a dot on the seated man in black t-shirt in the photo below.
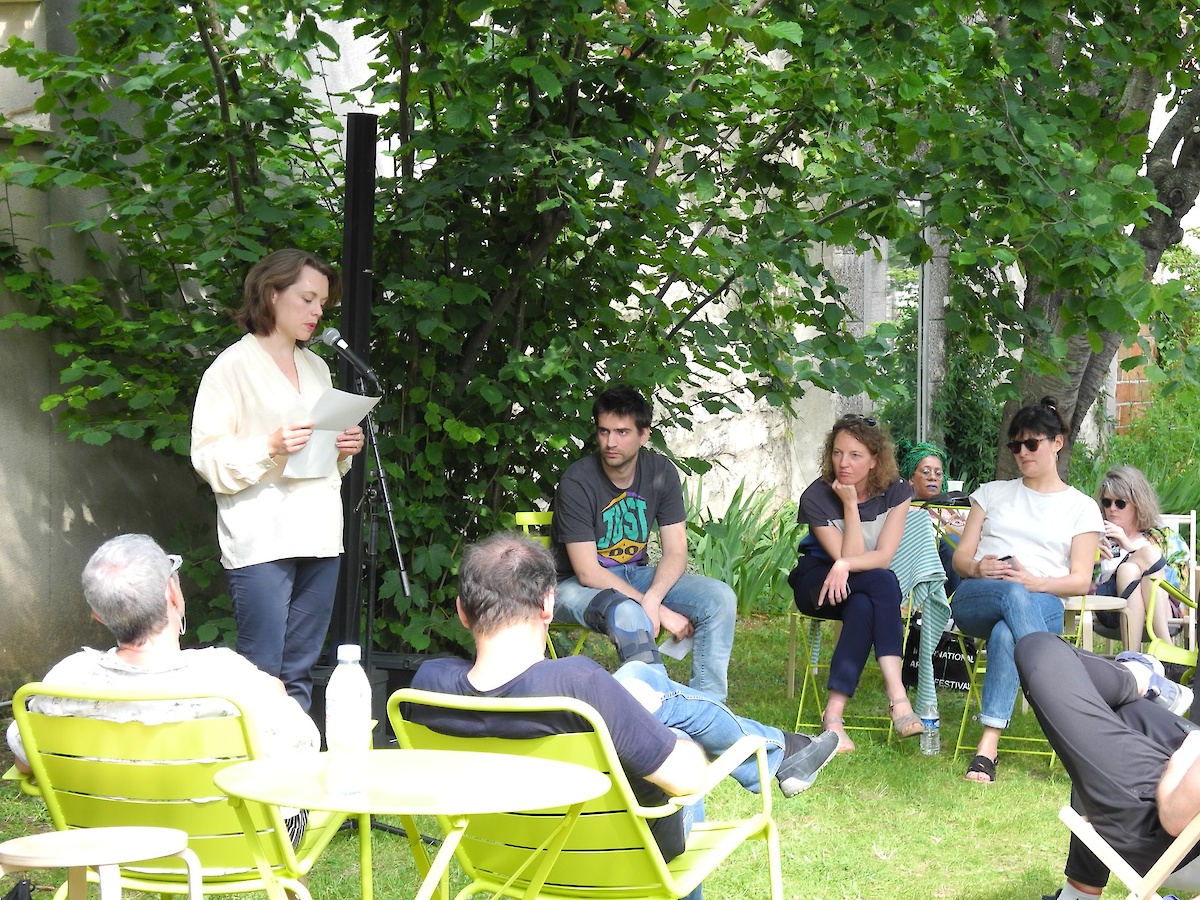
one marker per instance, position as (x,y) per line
(506,599)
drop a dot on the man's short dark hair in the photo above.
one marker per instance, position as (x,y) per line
(504,578)
(622,400)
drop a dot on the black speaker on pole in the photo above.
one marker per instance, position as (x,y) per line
(357,281)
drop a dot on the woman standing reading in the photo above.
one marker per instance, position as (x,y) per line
(855,514)
(280,537)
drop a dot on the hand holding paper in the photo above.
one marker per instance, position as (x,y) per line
(332,414)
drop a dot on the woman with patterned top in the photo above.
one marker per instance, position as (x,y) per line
(1136,545)
(923,466)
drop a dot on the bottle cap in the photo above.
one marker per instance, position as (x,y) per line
(349,653)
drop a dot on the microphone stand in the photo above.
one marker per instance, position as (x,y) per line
(376,491)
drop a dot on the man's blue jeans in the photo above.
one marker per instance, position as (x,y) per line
(709,604)
(706,720)
(1003,612)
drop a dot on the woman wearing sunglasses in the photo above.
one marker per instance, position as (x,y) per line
(855,514)
(1027,543)
(1136,545)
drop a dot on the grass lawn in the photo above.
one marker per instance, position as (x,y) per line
(882,822)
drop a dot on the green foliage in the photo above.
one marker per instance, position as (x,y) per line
(1164,440)
(752,547)
(966,407)
(577,193)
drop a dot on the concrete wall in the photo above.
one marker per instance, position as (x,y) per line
(60,499)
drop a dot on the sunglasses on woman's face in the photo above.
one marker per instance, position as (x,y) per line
(1108,502)
(1030,444)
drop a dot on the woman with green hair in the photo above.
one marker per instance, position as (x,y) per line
(923,466)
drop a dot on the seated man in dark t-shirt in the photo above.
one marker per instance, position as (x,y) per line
(605,508)
(506,598)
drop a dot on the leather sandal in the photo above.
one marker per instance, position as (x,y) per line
(981,765)
(837,726)
(906,726)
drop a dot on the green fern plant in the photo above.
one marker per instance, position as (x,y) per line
(751,547)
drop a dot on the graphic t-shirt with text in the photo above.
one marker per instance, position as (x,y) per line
(589,507)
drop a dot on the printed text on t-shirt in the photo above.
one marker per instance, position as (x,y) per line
(626,531)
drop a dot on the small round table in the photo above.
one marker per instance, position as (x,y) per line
(104,849)
(450,783)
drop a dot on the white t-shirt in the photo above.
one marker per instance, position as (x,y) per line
(1035,528)
(283,727)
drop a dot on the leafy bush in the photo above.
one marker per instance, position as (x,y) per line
(1164,442)
(534,239)
(751,548)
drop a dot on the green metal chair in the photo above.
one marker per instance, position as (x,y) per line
(610,852)
(534,523)
(1165,651)
(93,773)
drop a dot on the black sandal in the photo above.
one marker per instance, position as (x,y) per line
(981,765)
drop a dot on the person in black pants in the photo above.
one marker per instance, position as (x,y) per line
(1134,765)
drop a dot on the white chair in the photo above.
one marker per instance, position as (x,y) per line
(1141,887)
(1185,526)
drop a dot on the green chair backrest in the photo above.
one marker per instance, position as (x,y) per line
(533,523)
(94,772)
(611,851)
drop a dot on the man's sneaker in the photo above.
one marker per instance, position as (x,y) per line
(1175,697)
(1145,659)
(798,771)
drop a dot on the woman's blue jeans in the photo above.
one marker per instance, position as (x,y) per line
(1002,612)
(282,610)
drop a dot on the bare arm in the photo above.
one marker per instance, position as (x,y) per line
(682,772)
(836,588)
(833,543)
(666,573)
(964,555)
(1178,792)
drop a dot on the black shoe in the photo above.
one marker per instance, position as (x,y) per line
(798,771)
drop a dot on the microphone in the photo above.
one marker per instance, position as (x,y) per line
(333,338)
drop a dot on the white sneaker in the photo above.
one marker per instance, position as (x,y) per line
(1175,697)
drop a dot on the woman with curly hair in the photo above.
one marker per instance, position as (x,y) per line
(855,514)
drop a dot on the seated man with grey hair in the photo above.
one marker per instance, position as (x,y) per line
(132,587)
(664,732)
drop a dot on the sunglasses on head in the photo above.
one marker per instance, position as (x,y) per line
(855,417)
(1030,444)
(1108,502)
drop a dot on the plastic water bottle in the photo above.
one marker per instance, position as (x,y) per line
(347,723)
(931,737)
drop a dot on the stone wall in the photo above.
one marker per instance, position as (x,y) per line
(61,499)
